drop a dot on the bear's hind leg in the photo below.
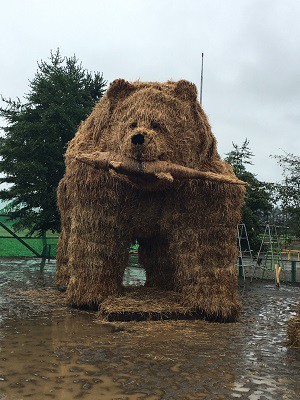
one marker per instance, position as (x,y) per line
(154,258)
(62,259)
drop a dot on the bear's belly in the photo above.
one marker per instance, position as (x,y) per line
(144,218)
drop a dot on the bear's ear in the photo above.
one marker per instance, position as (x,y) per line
(185,90)
(119,89)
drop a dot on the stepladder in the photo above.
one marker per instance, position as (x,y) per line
(269,256)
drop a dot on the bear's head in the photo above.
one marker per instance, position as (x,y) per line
(150,134)
(156,122)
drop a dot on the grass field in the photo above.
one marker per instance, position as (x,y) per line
(11,247)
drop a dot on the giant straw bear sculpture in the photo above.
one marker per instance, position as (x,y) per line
(144,166)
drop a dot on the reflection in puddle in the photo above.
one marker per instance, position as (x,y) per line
(48,350)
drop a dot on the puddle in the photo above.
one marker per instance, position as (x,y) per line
(48,350)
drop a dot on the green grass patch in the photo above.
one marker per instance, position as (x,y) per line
(11,247)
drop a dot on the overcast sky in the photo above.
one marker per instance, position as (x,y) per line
(251,57)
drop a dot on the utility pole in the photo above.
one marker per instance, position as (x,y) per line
(201,84)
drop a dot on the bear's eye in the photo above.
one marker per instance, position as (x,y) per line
(155,125)
(133,125)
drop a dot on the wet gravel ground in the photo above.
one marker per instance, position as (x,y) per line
(48,350)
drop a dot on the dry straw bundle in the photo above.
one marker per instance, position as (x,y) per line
(143,304)
(144,166)
(293,329)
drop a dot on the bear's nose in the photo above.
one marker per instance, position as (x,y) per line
(138,138)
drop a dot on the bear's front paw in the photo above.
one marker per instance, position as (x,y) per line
(82,294)
(215,307)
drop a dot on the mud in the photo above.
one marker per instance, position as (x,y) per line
(49,351)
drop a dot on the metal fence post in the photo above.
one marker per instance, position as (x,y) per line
(241,272)
(293,272)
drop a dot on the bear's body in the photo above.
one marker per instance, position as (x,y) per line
(144,167)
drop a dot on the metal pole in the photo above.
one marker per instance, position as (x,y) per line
(201,84)
(293,272)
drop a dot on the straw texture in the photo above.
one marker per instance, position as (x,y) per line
(293,329)
(144,166)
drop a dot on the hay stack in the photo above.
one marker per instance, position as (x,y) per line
(144,166)
(144,304)
(293,329)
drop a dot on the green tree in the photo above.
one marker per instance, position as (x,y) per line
(259,195)
(61,95)
(288,191)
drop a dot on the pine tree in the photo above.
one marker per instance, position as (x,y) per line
(61,95)
(288,191)
(259,195)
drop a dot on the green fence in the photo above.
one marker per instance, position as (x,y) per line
(12,247)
